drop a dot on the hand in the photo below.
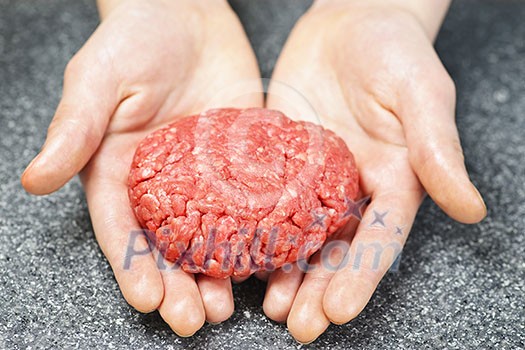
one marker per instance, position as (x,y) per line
(145,65)
(370,71)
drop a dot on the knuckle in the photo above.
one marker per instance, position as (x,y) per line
(53,126)
(74,67)
(319,281)
(372,267)
(60,122)
(449,85)
(457,149)
(365,275)
(422,82)
(439,84)
(422,156)
(444,86)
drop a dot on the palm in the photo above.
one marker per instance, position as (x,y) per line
(355,91)
(169,77)
(151,62)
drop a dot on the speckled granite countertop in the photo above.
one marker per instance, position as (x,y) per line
(458,286)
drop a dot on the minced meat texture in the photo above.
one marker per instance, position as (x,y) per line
(234,191)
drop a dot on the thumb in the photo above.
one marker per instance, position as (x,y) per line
(434,148)
(88,101)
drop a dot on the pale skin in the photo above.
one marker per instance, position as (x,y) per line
(367,68)
(147,63)
(370,71)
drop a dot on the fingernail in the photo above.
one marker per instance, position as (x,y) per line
(28,168)
(31,164)
(482,201)
(214,323)
(184,335)
(305,343)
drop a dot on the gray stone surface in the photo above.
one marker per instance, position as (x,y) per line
(458,286)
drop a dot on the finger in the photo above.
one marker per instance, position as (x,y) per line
(280,292)
(217,298)
(307,319)
(236,279)
(435,151)
(89,99)
(129,254)
(293,102)
(237,93)
(182,307)
(262,275)
(378,241)
(116,230)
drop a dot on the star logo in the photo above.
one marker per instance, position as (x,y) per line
(379,218)
(318,220)
(399,231)
(287,267)
(354,208)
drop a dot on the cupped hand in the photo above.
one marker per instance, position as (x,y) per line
(145,65)
(370,72)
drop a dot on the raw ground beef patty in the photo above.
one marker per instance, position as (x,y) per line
(234,191)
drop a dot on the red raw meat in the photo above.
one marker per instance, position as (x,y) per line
(234,191)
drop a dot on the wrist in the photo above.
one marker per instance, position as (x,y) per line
(105,7)
(429,14)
